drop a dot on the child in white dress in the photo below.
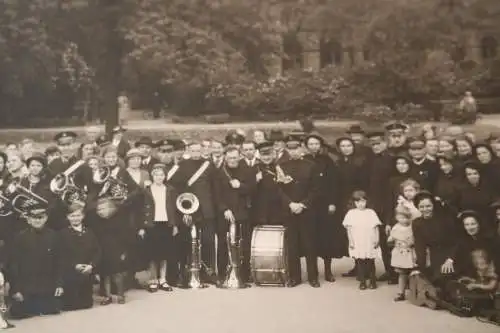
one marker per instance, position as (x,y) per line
(403,254)
(362,225)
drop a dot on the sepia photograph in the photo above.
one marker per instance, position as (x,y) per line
(237,166)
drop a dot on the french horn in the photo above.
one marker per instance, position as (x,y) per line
(112,186)
(188,204)
(63,185)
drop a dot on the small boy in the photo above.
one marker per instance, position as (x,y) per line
(80,253)
(36,284)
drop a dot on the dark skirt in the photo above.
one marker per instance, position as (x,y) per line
(332,237)
(158,242)
(115,247)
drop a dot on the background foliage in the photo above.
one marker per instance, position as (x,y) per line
(62,59)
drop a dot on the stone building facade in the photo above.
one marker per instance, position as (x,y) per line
(308,50)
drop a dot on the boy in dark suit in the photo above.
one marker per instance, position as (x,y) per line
(36,279)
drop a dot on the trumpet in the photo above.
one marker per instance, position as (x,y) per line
(18,199)
(188,204)
(64,186)
(112,186)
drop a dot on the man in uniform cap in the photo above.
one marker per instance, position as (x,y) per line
(165,151)
(299,186)
(119,141)
(423,170)
(36,279)
(66,142)
(267,201)
(380,172)
(396,132)
(358,136)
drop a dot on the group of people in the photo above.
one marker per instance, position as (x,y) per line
(427,204)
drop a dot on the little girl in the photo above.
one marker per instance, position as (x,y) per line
(403,254)
(362,225)
(408,190)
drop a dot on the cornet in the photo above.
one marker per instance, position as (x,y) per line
(64,186)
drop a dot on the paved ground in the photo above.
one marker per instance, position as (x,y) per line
(334,308)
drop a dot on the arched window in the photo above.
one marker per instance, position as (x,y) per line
(330,53)
(489,47)
(292,50)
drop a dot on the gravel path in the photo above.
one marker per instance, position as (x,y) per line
(333,308)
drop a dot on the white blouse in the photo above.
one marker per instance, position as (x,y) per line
(159,193)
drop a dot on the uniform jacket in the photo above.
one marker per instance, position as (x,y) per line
(36,266)
(77,247)
(237,200)
(203,188)
(304,185)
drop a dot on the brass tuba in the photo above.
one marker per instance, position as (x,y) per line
(233,277)
(112,186)
(63,185)
(188,204)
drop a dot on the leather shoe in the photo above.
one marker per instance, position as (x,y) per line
(329,278)
(292,284)
(351,273)
(314,284)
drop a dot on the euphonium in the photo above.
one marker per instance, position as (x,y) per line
(188,204)
(64,186)
(16,198)
(113,186)
(233,278)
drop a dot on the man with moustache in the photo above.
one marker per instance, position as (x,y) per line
(396,133)
(267,200)
(423,170)
(234,184)
(196,175)
(299,184)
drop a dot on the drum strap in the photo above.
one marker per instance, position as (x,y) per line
(172,172)
(198,173)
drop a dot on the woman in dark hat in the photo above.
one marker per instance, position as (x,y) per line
(490,166)
(326,204)
(476,193)
(352,176)
(435,234)
(449,182)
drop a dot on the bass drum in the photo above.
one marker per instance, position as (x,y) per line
(268,259)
